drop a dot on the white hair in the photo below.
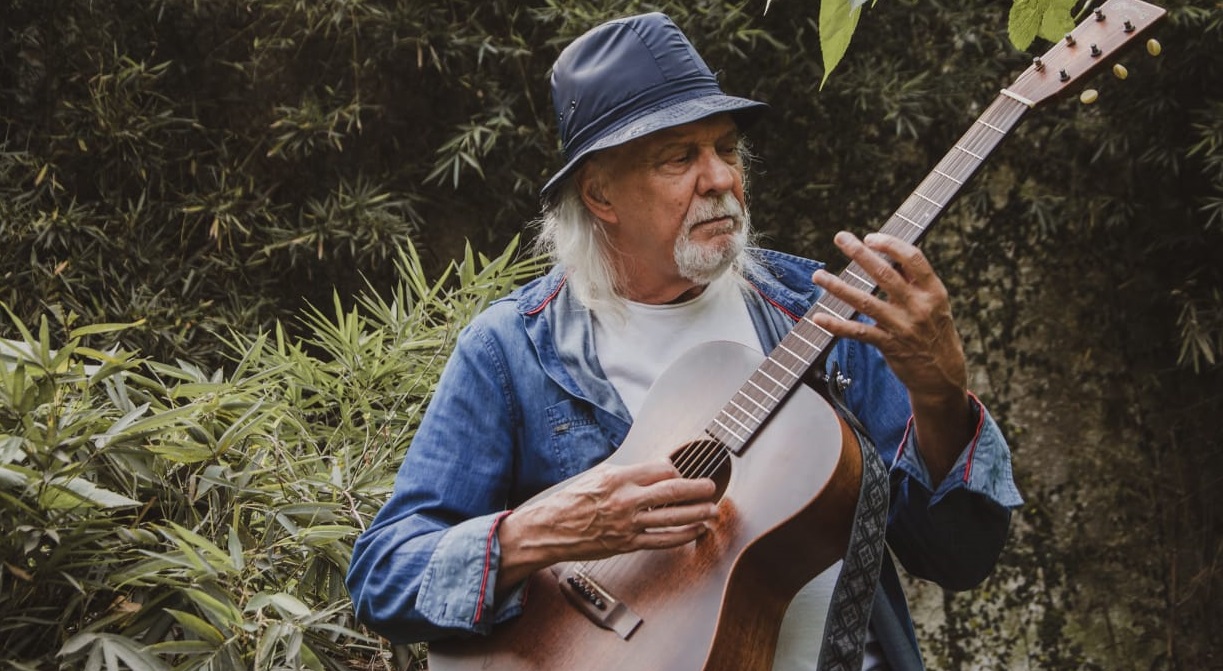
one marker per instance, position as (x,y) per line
(575,239)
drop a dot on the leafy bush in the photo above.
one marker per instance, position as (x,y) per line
(164,516)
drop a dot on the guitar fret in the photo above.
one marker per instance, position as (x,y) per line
(782,346)
(826,331)
(948,177)
(910,222)
(736,420)
(729,430)
(803,338)
(932,202)
(979,158)
(753,400)
(774,380)
(858,277)
(991,126)
(764,391)
(735,404)
(830,311)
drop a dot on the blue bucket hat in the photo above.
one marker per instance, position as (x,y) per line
(628,78)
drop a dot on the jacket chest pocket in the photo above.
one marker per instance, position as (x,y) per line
(577,441)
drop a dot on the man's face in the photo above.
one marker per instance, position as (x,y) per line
(674,207)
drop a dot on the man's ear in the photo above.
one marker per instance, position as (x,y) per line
(591,179)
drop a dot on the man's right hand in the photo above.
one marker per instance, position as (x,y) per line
(608,510)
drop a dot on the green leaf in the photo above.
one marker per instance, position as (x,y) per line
(63,493)
(182,648)
(1048,19)
(198,626)
(838,20)
(11,478)
(114,649)
(221,613)
(1057,20)
(288,605)
(102,328)
(187,453)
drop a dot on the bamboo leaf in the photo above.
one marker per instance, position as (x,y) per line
(221,613)
(93,329)
(197,626)
(114,649)
(65,493)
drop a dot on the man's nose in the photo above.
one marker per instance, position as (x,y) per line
(717,176)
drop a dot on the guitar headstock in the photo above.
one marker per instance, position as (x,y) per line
(1091,45)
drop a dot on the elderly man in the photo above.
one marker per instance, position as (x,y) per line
(648,225)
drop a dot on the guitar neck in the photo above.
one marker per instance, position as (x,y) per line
(806,343)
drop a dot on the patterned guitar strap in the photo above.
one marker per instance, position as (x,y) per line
(854,594)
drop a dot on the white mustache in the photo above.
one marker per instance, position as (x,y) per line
(708,209)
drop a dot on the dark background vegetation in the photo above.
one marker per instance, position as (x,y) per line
(273,193)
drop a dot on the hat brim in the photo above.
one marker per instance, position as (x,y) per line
(745,112)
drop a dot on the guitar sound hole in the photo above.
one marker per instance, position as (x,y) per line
(706,458)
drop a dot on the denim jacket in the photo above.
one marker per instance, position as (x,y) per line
(523,404)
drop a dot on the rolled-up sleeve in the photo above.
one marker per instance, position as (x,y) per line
(983,466)
(427,565)
(952,534)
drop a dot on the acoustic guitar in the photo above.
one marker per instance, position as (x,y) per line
(787,466)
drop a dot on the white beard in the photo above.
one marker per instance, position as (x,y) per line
(703,262)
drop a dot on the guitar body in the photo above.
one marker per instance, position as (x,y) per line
(785,508)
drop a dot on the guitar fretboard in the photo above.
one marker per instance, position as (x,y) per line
(798,351)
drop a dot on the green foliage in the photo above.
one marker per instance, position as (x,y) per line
(158,516)
(207,166)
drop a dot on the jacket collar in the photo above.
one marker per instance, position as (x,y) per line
(783,279)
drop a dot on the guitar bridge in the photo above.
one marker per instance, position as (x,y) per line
(595,602)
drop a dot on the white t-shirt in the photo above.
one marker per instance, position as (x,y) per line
(635,349)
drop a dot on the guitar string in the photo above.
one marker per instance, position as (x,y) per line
(704,457)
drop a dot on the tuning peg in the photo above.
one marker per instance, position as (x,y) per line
(1120,71)
(1089,96)
(1153,47)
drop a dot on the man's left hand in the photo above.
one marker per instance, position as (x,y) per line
(914,330)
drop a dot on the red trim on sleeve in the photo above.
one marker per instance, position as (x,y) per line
(974,403)
(904,439)
(488,560)
(976,436)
